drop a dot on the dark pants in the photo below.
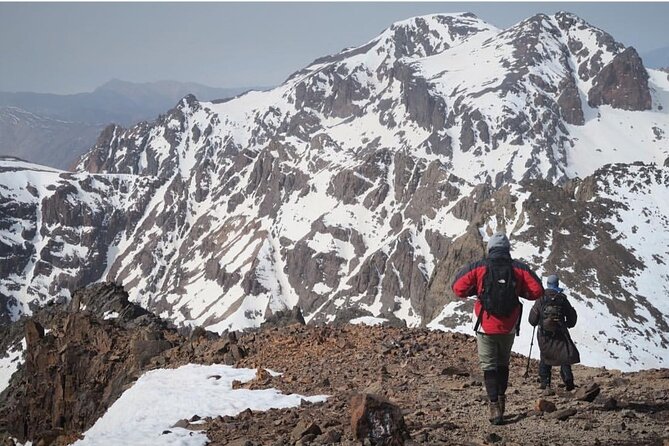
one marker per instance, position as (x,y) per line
(494,356)
(545,373)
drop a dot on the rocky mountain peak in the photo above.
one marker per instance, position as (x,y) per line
(431,34)
(571,24)
(569,21)
(416,37)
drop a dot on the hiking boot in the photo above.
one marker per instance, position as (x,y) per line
(569,386)
(502,405)
(495,413)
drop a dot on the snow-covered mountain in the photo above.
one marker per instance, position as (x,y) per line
(366,174)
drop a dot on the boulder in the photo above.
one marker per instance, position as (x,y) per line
(305,428)
(283,318)
(606,402)
(377,420)
(562,415)
(588,393)
(543,405)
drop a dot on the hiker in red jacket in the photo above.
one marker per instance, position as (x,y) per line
(498,281)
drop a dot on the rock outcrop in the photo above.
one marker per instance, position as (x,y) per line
(377,421)
(81,356)
(74,371)
(623,84)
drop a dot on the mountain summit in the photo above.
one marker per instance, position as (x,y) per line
(345,190)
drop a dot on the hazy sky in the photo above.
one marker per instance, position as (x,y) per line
(75,47)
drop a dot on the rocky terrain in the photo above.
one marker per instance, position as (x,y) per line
(361,184)
(435,379)
(94,348)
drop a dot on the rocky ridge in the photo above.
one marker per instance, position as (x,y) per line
(431,376)
(435,379)
(81,356)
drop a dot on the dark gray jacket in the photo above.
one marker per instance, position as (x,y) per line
(568,311)
(556,348)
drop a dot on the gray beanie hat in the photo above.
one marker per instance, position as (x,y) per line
(499,240)
(553,280)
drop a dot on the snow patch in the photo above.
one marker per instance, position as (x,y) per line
(162,397)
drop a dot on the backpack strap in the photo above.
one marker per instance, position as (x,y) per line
(479,317)
(478,320)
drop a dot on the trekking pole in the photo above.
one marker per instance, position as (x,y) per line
(529,355)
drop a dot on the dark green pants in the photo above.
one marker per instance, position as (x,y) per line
(494,350)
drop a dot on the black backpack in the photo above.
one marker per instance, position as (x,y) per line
(499,287)
(552,315)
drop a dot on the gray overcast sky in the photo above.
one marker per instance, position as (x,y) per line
(75,47)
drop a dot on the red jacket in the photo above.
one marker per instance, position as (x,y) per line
(469,282)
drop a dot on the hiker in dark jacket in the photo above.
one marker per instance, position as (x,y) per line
(554,315)
(495,333)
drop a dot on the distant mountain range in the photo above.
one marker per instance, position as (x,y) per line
(55,129)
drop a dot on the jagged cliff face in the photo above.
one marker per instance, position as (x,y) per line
(58,230)
(365,174)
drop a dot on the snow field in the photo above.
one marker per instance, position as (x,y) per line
(144,414)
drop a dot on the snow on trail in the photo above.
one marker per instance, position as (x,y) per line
(162,397)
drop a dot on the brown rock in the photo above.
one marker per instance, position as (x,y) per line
(377,387)
(562,415)
(330,437)
(33,332)
(75,372)
(543,405)
(588,393)
(304,428)
(183,423)
(610,404)
(263,375)
(454,371)
(377,420)
(570,102)
(283,318)
(606,402)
